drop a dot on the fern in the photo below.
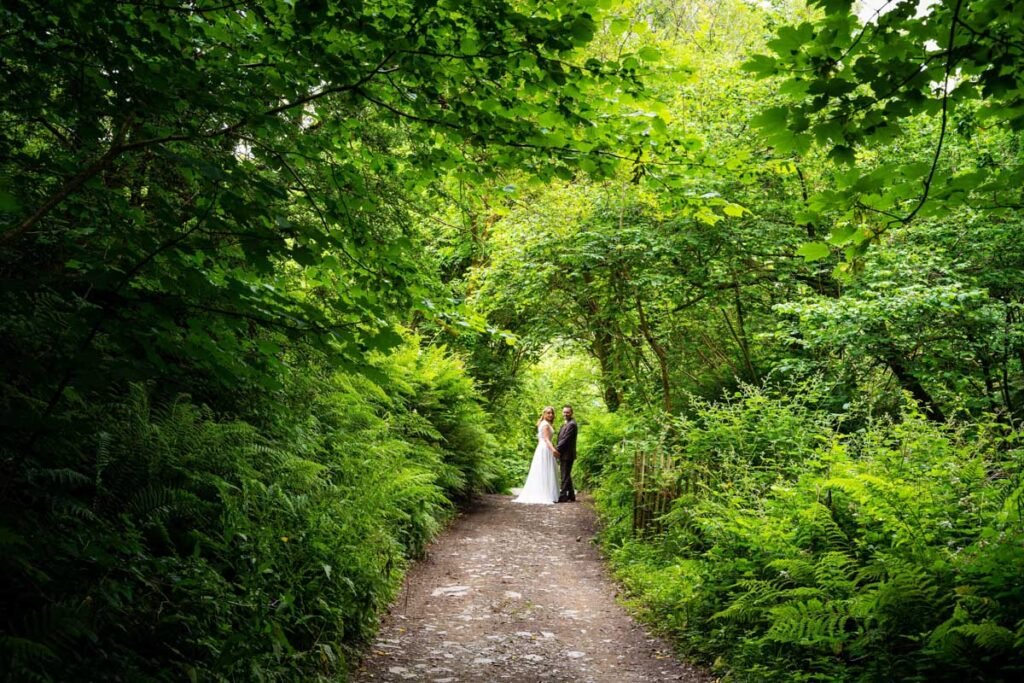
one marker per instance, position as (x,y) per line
(278,546)
(19,652)
(988,635)
(750,605)
(810,623)
(794,570)
(835,573)
(817,528)
(61,476)
(889,554)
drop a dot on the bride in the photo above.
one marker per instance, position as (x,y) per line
(542,482)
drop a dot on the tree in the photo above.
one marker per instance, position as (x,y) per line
(182,179)
(852,84)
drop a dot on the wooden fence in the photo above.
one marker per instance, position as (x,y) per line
(656,482)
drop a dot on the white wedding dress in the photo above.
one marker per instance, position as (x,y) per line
(541,485)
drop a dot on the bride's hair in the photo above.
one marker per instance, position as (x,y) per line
(546,409)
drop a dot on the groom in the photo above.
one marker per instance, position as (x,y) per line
(566,449)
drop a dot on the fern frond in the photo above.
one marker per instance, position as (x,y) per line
(154,503)
(64,506)
(794,570)
(836,573)
(22,650)
(810,623)
(62,476)
(749,606)
(988,635)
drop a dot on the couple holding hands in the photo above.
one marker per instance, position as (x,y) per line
(542,483)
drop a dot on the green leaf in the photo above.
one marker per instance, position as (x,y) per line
(649,53)
(582,29)
(835,6)
(384,340)
(813,251)
(843,155)
(563,172)
(842,234)
(761,66)
(771,119)
(828,130)
(795,88)
(268,348)
(790,39)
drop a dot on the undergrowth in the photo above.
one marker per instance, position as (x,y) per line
(173,543)
(801,549)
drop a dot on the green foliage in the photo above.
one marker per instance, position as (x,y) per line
(597,445)
(917,81)
(214,201)
(935,325)
(830,525)
(446,418)
(854,556)
(199,171)
(217,220)
(173,544)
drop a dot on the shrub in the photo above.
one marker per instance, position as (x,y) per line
(182,545)
(604,431)
(893,553)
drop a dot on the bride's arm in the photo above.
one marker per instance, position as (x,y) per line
(546,432)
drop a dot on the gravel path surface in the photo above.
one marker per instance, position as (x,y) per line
(516,592)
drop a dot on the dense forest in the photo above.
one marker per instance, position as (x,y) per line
(286,282)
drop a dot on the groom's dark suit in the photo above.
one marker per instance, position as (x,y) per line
(566,448)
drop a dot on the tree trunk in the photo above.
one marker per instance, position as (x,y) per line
(911,384)
(601,348)
(742,331)
(659,352)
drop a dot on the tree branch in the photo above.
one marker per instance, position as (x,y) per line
(945,114)
(79,179)
(118,147)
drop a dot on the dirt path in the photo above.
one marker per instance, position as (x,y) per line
(516,592)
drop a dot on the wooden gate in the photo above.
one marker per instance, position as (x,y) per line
(655,486)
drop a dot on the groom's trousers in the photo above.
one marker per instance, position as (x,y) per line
(568,491)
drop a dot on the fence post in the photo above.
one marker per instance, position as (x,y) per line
(641,511)
(654,488)
(636,490)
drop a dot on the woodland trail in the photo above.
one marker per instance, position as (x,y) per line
(516,592)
